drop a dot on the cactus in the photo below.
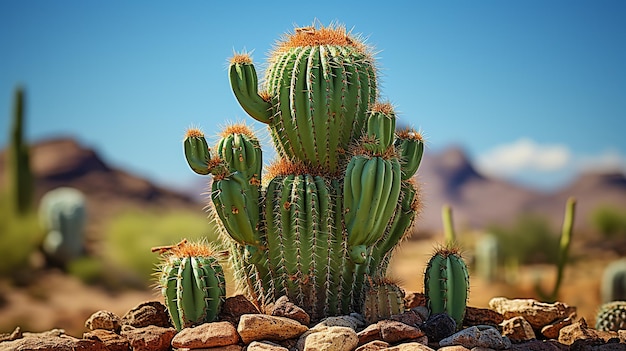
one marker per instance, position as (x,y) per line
(62,213)
(487,257)
(446,284)
(20,175)
(613,287)
(611,316)
(192,283)
(383,299)
(566,238)
(339,198)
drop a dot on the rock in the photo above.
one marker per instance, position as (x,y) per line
(482,316)
(285,308)
(410,346)
(145,314)
(460,348)
(518,329)
(374,345)
(52,343)
(339,321)
(409,317)
(369,334)
(414,299)
(538,314)
(206,335)
(150,338)
(236,306)
(393,331)
(438,326)
(551,331)
(478,337)
(597,345)
(579,330)
(255,327)
(265,346)
(14,335)
(359,318)
(422,312)
(111,340)
(103,320)
(332,339)
(539,345)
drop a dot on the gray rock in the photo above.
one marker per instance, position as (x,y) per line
(478,337)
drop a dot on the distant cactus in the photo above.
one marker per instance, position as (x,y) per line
(192,283)
(611,316)
(566,238)
(487,257)
(382,300)
(613,286)
(20,175)
(63,215)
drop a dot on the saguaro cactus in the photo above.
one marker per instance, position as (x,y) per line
(20,175)
(192,283)
(339,198)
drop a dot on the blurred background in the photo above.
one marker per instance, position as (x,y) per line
(523,104)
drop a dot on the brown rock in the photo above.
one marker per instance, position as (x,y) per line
(482,316)
(146,314)
(551,331)
(414,299)
(539,345)
(518,329)
(410,346)
(112,341)
(409,317)
(206,335)
(369,334)
(373,346)
(332,339)
(150,338)
(265,346)
(459,348)
(255,327)
(579,330)
(103,320)
(538,314)
(14,335)
(236,306)
(285,308)
(52,343)
(393,331)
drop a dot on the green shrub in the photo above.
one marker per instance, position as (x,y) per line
(530,240)
(131,235)
(609,221)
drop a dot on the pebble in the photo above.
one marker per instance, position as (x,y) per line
(255,327)
(206,335)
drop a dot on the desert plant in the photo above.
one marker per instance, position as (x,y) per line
(19,174)
(192,283)
(486,255)
(609,220)
(566,239)
(383,299)
(63,215)
(611,316)
(613,286)
(340,186)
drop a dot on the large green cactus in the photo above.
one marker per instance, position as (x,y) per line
(339,198)
(192,283)
(20,175)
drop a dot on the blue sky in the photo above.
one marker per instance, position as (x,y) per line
(534,90)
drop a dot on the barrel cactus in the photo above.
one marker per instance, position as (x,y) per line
(611,316)
(192,283)
(446,284)
(63,215)
(613,286)
(327,214)
(383,299)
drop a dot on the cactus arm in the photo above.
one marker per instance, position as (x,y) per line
(392,188)
(197,152)
(410,145)
(171,282)
(448,225)
(244,83)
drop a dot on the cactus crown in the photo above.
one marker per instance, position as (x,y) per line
(312,36)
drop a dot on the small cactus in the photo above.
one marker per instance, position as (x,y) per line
(611,316)
(192,283)
(613,286)
(63,213)
(383,299)
(20,175)
(487,257)
(446,284)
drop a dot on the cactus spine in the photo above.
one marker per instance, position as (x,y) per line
(20,175)
(192,283)
(63,214)
(340,196)
(611,316)
(383,299)
(613,286)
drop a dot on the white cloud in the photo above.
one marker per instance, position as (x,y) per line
(609,160)
(524,155)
